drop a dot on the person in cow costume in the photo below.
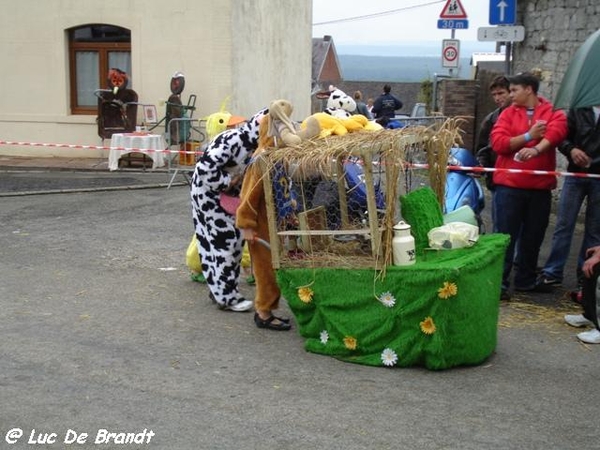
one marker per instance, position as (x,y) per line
(221,169)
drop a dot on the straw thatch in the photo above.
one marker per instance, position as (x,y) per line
(390,150)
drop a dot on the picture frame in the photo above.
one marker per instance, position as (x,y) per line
(150,115)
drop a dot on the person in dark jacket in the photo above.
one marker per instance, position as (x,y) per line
(582,149)
(485,154)
(386,104)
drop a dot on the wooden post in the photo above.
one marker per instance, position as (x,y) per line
(371,203)
(271,212)
(341,184)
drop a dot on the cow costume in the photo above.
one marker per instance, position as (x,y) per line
(220,242)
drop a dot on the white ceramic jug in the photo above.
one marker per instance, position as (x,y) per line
(403,245)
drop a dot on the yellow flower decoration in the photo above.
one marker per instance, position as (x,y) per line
(305,294)
(447,290)
(350,342)
(427,326)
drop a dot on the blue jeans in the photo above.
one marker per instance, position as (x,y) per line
(523,214)
(574,192)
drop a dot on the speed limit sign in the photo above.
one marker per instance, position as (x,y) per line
(450,53)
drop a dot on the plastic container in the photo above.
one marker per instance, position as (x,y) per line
(403,245)
(189,159)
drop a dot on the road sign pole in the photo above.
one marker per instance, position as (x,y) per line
(507,58)
(450,70)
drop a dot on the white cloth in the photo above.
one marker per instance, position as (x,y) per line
(149,144)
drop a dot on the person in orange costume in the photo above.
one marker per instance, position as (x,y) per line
(276,130)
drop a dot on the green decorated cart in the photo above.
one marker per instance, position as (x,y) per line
(334,262)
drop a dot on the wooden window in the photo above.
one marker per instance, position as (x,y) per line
(93,49)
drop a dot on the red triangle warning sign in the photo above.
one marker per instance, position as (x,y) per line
(453,10)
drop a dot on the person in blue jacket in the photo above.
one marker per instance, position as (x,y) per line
(386,104)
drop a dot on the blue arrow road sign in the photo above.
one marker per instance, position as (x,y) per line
(503,12)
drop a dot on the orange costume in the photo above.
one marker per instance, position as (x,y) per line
(276,129)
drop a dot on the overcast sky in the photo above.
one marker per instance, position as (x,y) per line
(414,20)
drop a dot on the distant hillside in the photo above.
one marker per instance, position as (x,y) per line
(423,48)
(396,68)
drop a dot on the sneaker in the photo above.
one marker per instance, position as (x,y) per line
(242,306)
(577,320)
(504,295)
(545,281)
(590,337)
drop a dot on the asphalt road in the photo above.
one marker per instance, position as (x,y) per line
(27,182)
(102,329)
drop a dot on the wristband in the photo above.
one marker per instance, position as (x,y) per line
(527,137)
(537,150)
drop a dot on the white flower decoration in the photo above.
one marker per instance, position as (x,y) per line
(389,357)
(387,299)
(324,337)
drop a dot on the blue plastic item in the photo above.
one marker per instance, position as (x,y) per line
(357,189)
(461,187)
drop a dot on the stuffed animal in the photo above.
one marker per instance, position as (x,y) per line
(283,130)
(219,121)
(331,125)
(339,103)
(358,122)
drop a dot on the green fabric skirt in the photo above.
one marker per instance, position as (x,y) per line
(438,313)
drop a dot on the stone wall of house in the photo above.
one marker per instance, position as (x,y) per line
(554,30)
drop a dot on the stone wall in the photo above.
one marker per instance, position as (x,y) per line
(408,93)
(458,98)
(554,30)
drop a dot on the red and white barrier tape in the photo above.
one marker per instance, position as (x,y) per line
(480,169)
(95,147)
(477,169)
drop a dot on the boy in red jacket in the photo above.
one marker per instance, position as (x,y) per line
(525,137)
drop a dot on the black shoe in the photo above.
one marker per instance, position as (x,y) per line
(504,295)
(526,288)
(546,282)
(272,323)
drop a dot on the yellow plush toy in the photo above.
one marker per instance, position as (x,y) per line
(219,121)
(331,125)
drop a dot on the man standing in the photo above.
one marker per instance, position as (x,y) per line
(485,155)
(582,149)
(386,104)
(590,299)
(525,137)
